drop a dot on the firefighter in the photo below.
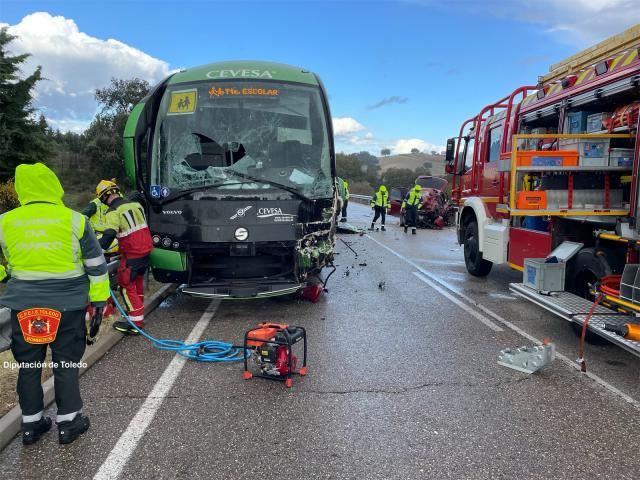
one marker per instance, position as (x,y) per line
(380,204)
(126,220)
(410,206)
(55,268)
(97,211)
(345,197)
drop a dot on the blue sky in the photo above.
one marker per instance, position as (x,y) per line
(399,73)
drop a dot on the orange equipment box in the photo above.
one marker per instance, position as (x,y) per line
(532,200)
(547,158)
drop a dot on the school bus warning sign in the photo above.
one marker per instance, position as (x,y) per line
(183,101)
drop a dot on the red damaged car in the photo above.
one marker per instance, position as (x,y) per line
(436,209)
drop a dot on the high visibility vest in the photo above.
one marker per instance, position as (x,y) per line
(413,199)
(381,199)
(41,241)
(98,218)
(346,190)
(99,222)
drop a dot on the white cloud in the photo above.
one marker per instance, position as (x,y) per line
(74,64)
(405,145)
(343,126)
(581,23)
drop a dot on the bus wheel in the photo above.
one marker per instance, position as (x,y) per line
(584,270)
(476,265)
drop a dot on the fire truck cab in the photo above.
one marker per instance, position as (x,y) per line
(555,165)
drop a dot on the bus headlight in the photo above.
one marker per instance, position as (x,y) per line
(175,245)
(166,242)
(156,239)
(241,234)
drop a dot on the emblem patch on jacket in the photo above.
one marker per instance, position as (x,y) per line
(39,325)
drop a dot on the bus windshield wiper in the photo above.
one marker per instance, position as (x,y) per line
(279,185)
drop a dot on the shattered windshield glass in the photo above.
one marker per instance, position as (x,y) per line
(242,135)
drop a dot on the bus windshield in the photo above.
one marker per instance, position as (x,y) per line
(242,135)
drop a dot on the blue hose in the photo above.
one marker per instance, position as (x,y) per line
(207,351)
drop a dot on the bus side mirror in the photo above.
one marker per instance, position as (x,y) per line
(449,156)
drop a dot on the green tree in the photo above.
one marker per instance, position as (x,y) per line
(385,151)
(22,138)
(104,136)
(415,151)
(349,167)
(398,177)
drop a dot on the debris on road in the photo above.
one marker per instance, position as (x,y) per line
(349,247)
(528,359)
(382,285)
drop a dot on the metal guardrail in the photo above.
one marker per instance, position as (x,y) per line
(360,198)
(5,313)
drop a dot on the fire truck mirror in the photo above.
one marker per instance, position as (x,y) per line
(450,158)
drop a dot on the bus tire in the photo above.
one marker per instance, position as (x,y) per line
(476,265)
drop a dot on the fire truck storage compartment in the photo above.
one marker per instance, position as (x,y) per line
(621,157)
(549,277)
(547,158)
(531,200)
(526,243)
(496,240)
(577,122)
(595,121)
(630,283)
(592,152)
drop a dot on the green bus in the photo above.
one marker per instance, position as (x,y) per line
(236,162)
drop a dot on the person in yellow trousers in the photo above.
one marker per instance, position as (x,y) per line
(380,203)
(55,268)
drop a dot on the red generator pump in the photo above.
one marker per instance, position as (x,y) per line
(271,347)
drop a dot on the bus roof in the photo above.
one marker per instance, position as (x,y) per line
(245,69)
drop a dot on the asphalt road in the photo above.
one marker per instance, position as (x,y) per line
(403,383)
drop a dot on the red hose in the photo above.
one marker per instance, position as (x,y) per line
(583,365)
(610,285)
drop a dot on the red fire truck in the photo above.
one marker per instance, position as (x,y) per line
(546,181)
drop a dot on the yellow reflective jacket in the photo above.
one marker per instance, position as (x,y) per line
(42,240)
(381,198)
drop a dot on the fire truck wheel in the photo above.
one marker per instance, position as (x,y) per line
(589,265)
(476,265)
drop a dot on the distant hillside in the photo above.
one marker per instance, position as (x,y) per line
(413,161)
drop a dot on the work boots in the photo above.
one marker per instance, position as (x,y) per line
(70,430)
(413,230)
(126,328)
(406,229)
(343,220)
(32,431)
(371,227)
(383,229)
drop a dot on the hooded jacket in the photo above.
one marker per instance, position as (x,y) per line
(413,198)
(53,257)
(381,198)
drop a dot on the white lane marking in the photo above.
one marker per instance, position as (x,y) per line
(459,303)
(600,381)
(126,445)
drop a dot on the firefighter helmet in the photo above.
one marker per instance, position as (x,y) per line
(106,188)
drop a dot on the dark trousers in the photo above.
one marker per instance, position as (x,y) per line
(411,217)
(379,212)
(344,209)
(68,346)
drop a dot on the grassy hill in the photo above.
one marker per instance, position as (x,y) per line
(412,161)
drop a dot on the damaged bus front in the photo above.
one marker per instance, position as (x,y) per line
(236,162)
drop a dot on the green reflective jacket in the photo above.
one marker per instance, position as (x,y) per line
(413,198)
(381,198)
(42,240)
